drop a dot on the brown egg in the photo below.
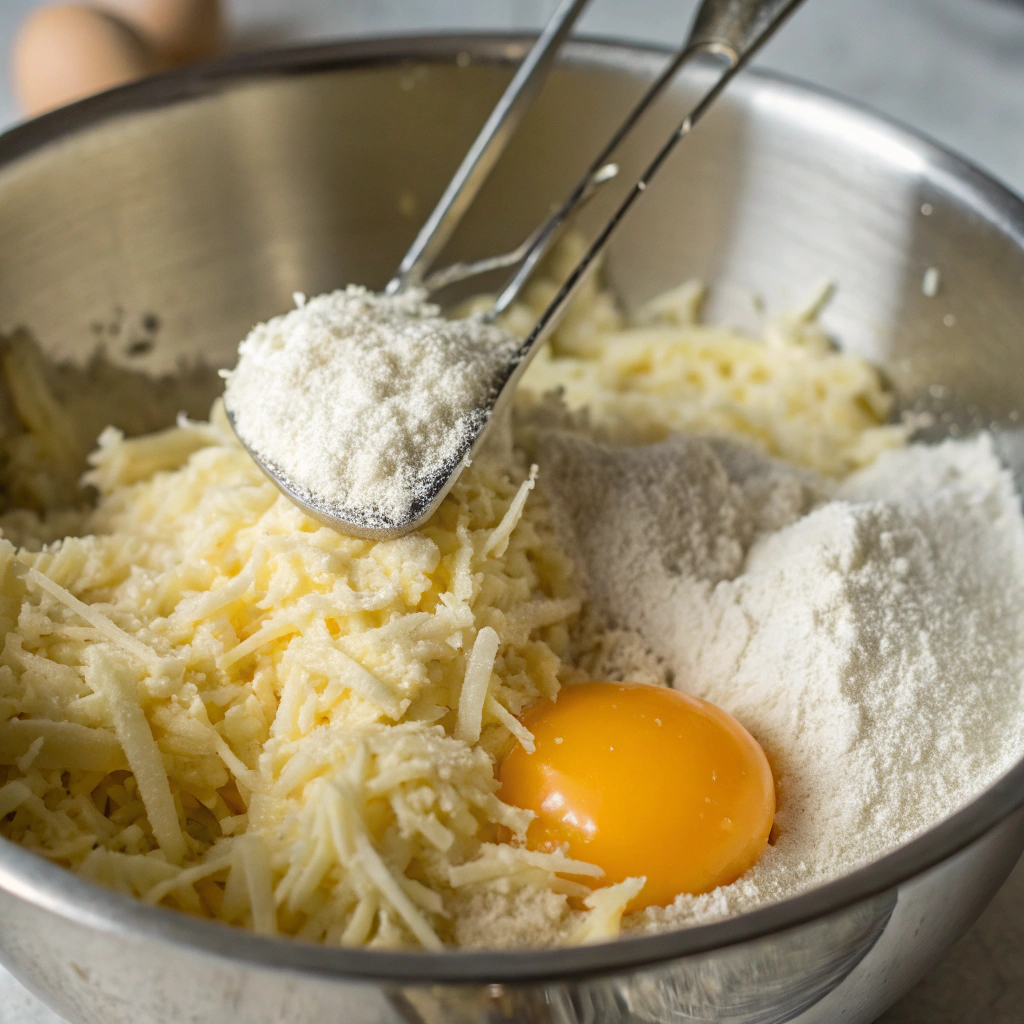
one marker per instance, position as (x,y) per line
(180,30)
(65,52)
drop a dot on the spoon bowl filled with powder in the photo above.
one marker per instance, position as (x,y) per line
(358,403)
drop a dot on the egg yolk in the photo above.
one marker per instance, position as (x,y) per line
(643,780)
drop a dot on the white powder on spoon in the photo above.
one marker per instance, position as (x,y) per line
(874,644)
(360,399)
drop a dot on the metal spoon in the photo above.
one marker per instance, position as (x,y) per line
(730,31)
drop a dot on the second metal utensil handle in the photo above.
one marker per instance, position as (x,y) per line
(729,29)
(733,27)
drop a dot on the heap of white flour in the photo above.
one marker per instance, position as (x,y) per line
(869,634)
(360,399)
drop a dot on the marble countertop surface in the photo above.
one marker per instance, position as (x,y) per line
(953,69)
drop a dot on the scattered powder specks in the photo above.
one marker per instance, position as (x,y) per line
(360,399)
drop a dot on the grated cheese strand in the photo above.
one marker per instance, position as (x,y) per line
(497,543)
(248,778)
(66,745)
(514,726)
(479,667)
(108,675)
(500,861)
(395,895)
(255,862)
(323,657)
(260,638)
(606,906)
(164,667)
(186,878)
(205,605)
(28,759)
(357,931)
(12,796)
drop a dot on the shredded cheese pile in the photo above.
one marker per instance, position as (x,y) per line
(211,702)
(791,393)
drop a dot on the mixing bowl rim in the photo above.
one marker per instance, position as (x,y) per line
(32,879)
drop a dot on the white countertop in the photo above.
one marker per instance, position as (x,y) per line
(953,69)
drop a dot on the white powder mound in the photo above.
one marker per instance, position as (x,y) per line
(360,399)
(874,645)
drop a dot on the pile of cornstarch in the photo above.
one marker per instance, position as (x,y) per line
(868,633)
(360,399)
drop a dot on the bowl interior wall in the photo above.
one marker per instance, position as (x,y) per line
(159,237)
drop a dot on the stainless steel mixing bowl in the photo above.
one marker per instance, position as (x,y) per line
(156,223)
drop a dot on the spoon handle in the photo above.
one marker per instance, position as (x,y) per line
(486,149)
(736,28)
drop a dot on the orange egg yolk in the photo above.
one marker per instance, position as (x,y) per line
(643,780)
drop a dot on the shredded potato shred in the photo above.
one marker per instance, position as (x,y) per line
(210,702)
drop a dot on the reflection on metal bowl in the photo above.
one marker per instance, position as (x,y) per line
(160,221)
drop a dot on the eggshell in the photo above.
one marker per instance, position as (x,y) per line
(181,31)
(64,52)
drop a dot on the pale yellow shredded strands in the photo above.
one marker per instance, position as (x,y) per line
(791,393)
(211,702)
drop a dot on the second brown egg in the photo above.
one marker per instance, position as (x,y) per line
(180,31)
(65,52)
